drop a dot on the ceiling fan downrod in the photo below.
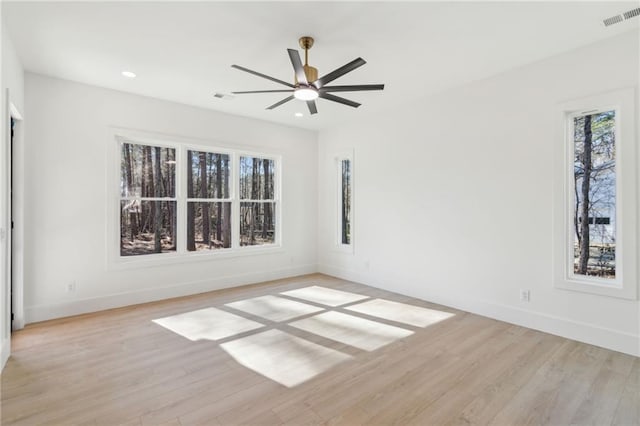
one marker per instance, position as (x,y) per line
(306,42)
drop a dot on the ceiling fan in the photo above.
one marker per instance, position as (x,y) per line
(307,86)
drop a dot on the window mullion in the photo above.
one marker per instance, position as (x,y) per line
(181,193)
(209,200)
(235,204)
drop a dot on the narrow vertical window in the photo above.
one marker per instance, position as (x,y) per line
(345,201)
(147,199)
(258,201)
(594,190)
(595,228)
(208,201)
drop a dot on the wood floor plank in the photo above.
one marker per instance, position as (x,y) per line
(628,410)
(503,387)
(413,395)
(603,396)
(557,388)
(118,367)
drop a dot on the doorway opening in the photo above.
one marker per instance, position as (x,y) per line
(10,262)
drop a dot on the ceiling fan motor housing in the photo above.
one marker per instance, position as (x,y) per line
(310,72)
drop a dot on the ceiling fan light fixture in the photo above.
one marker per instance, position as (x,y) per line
(306,94)
(307,86)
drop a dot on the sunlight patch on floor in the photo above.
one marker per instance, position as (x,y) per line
(209,324)
(354,331)
(281,357)
(274,308)
(291,360)
(324,295)
(401,312)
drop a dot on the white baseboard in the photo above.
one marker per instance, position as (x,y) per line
(576,330)
(583,332)
(94,304)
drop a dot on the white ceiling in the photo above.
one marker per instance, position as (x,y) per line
(183,52)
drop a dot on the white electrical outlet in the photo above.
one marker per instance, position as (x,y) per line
(525,295)
(71,287)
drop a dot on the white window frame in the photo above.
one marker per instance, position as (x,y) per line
(182,145)
(624,285)
(340,246)
(235,210)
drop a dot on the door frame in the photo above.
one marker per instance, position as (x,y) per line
(9,240)
(16,212)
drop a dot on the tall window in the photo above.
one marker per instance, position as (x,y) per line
(208,201)
(595,196)
(594,188)
(345,201)
(177,199)
(257,201)
(147,199)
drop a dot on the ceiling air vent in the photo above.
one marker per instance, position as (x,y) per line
(632,13)
(224,96)
(613,20)
(619,18)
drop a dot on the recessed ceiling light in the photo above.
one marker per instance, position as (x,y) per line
(129,74)
(298,114)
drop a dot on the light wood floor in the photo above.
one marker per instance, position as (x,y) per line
(118,367)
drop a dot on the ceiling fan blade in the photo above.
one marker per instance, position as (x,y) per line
(277,104)
(297,66)
(339,72)
(330,97)
(262,91)
(262,75)
(356,88)
(312,107)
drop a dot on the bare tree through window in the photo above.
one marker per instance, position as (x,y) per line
(257,201)
(345,201)
(147,199)
(594,217)
(182,199)
(208,201)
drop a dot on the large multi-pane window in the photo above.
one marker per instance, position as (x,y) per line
(181,200)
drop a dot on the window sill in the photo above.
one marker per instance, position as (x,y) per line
(343,248)
(598,287)
(162,259)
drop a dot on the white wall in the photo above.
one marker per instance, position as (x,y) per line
(66,200)
(5,342)
(453,196)
(11,78)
